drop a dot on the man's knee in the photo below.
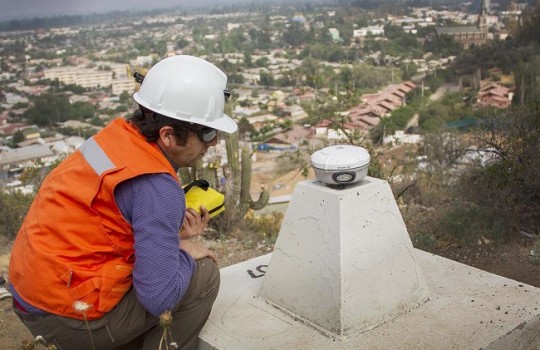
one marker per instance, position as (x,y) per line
(210,271)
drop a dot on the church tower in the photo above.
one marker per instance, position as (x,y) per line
(482,18)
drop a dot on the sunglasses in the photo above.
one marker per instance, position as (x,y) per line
(206,134)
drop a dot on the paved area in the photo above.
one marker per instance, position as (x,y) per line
(468,309)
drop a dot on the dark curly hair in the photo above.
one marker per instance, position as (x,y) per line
(149,123)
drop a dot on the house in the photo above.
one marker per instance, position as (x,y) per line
(388,99)
(290,138)
(334,33)
(401,137)
(4,117)
(494,95)
(75,124)
(21,157)
(64,147)
(294,112)
(260,120)
(11,128)
(370,30)
(391,97)
(30,132)
(366,116)
(246,111)
(322,127)
(366,120)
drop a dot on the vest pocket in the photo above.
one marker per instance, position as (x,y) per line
(116,282)
(82,285)
(82,291)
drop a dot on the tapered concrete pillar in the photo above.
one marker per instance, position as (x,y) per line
(343,260)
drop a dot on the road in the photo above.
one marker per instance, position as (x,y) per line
(443,89)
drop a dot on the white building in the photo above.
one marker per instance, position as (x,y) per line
(87,78)
(120,70)
(334,33)
(373,30)
(121,85)
(231,26)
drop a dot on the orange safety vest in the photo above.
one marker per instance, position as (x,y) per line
(74,244)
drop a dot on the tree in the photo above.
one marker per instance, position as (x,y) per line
(435,115)
(346,78)
(262,62)
(442,45)
(527,75)
(295,34)
(18,136)
(408,70)
(244,128)
(248,60)
(83,110)
(263,38)
(181,43)
(529,32)
(124,97)
(504,180)
(310,70)
(49,109)
(266,78)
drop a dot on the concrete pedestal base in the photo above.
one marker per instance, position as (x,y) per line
(343,260)
(468,309)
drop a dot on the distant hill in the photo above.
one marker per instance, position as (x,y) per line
(27,9)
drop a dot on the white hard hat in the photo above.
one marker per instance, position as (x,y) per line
(187,88)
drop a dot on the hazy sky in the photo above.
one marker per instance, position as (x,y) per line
(15,9)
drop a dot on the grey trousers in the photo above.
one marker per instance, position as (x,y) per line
(129,325)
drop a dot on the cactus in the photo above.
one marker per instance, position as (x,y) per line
(186,175)
(239,181)
(232,172)
(245,197)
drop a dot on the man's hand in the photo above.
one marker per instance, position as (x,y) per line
(197,251)
(194,223)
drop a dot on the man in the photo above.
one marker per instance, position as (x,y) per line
(105,249)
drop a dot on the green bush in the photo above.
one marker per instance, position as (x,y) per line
(470,223)
(13,208)
(265,226)
(423,240)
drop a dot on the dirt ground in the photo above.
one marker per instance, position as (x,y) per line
(512,260)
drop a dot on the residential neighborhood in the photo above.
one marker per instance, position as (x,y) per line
(271,86)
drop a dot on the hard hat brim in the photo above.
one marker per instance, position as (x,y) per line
(225,124)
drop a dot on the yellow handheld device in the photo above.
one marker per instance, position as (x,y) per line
(199,193)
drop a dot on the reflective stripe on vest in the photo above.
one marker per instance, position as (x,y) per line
(95,156)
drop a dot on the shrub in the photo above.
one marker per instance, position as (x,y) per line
(470,222)
(13,208)
(423,240)
(265,226)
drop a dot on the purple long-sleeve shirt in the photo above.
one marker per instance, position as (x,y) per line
(154,205)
